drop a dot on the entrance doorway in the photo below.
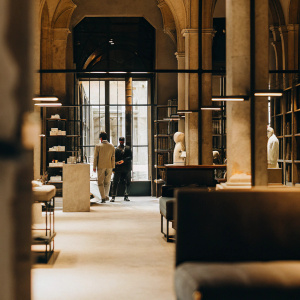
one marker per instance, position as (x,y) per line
(107,106)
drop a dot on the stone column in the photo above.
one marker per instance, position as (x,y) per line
(284,44)
(60,36)
(128,111)
(261,83)
(181,82)
(207,37)
(277,46)
(293,49)
(238,83)
(191,96)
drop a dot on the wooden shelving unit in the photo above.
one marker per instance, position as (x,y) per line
(164,129)
(285,119)
(70,122)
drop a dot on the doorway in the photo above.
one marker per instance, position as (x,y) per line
(106,106)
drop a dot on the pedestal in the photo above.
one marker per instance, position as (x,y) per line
(76,187)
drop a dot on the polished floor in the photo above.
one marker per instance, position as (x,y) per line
(115,251)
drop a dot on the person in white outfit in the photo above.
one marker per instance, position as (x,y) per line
(273,148)
(104,162)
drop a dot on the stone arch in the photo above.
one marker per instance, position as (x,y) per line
(294,12)
(177,9)
(276,16)
(63,13)
(208,8)
(278,41)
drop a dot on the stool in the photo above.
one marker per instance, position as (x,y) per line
(166,208)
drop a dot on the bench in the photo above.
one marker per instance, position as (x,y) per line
(178,176)
(238,244)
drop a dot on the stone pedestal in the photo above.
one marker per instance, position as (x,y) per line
(76,187)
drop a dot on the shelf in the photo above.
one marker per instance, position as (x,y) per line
(288,136)
(159,181)
(54,167)
(280,160)
(288,112)
(42,239)
(288,161)
(49,119)
(279,115)
(53,182)
(56,151)
(297,161)
(51,136)
(162,151)
(159,167)
(280,136)
(163,135)
(297,134)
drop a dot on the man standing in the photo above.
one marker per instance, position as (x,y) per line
(104,161)
(122,169)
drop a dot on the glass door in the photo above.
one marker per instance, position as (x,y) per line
(106,107)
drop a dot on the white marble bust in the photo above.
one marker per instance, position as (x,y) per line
(273,148)
(179,148)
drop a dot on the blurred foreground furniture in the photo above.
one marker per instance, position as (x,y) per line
(181,176)
(238,244)
(43,235)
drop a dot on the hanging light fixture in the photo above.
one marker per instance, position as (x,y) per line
(45,98)
(230,98)
(268,93)
(48,104)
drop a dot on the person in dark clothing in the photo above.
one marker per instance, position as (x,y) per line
(123,156)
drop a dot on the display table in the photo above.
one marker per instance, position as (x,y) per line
(76,187)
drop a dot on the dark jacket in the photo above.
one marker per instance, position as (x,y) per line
(123,153)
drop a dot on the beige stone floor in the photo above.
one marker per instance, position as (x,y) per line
(115,251)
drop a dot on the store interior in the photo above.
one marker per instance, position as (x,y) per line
(206,94)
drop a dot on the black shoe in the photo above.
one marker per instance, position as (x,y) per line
(103,201)
(126,198)
(112,199)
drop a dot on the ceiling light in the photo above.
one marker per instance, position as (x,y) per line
(45,98)
(48,104)
(229,98)
(184,111)
(210,108)
(268,93)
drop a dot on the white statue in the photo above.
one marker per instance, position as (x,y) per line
(179,150)
(273,148)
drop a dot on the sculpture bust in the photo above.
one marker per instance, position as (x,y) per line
(273,148)
(179,148)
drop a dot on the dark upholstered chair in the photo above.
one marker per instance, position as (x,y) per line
(238,244)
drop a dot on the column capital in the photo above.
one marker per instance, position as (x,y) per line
(292,27)
(188,31)
(275,33)
(282,29)
(61,33)
(180,55)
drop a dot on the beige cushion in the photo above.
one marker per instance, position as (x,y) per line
(44,192)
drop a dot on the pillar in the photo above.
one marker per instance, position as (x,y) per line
(206,127)
(60,36)
(181,78)
(191,96)
(128,111)
(238,71)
